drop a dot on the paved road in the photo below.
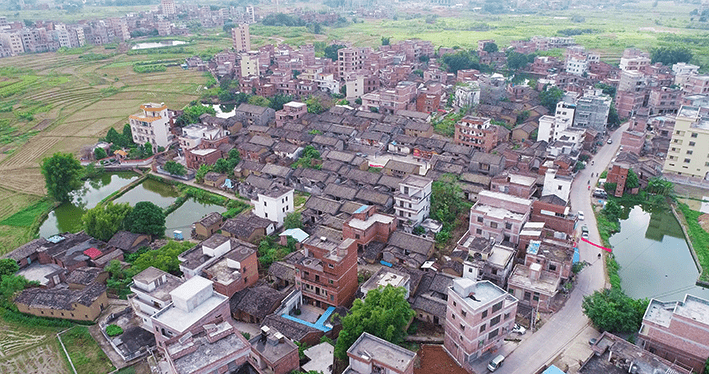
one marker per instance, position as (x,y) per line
(557,334)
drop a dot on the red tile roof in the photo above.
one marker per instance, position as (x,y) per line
(93,253)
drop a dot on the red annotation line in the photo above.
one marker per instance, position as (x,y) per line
(596,245)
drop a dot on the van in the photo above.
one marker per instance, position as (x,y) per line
(495,363)
(600,193)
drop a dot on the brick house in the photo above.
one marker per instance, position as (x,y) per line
(499,216)
(554,212)
(372,355)
(272,352)
(367,225)
(677,331)
(327,273)
(209,224)
(479,315)
(212,348)
(81,305)
(238,269)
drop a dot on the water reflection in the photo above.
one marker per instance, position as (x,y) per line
(654,258)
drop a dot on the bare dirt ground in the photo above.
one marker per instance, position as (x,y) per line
(434,360)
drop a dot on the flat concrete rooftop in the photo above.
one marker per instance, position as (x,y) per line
(369,347)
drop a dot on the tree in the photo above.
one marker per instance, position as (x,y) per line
(490,47)
(385,40)
(607,89)
(446,199)
(147,149)
(315,105)
(669,56)
(201,172)
(660,186)
(61,174)
(164,258)
(191,113)
(100,153)
(103,221)
(293,220)
(613,117)
(221,166)
(550,96)
(146,218)
(612,210)
(9,286)
(632,180)
(278,100)
(8,266)
(259,101)
(460,60)
(612,310)
(331,51)
(174,168)
(384,313)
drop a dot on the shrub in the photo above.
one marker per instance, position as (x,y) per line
(113,330)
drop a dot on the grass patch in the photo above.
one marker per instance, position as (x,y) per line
(85,353)
(606,228)
(28,216)
(699,238)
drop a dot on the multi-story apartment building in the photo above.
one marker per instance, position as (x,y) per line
(152,125)
(194,134)
(12,42)
(367,225)
(249,64)
(696,84)
(578,60)
(592,110)
(478,133)
(274,204)
(241,38)
(168,7)
(349,60)
(478,317)
(291,112)
(467,94)
(677,331)
(120,28)
(551,128)
(412,202)
(634,59)
(691,132)
(499,216)
(327,271)
(372,355)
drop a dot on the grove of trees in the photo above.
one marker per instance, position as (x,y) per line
(383,313)
(104,221)
(146,218)
(62,173)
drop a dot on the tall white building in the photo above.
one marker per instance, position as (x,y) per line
(467,94)
(152,125)
(241,38)
(413,200)
(274,205)
(249,64)
(551,127)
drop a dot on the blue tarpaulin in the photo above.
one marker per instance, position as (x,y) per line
(553,370)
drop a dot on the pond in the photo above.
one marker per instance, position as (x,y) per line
(67,217)
(168,43)
(190,212)
(654,259)
(160,194)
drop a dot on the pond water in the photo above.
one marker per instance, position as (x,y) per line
(160,194)
(183,218)
(654,259)
(168,43)
(67,217)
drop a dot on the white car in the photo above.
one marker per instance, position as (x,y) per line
(519,329)
(580,215)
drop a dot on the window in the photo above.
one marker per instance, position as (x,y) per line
(330,266)
(484,314)
(482,328)
(527,295)
(508,226)
(462,327)
(507,316)
(480,218)
(494,321)
(552,267)
(497,307)
(464,313)
(264,204)
(493,225)
(536,296)
(692,144)
(493,334)
(694,134)
(266,215)
(687,160)
(689,152)
(331,282)
(480,231)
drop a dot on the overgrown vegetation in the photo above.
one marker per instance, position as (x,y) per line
(448,206)
(269,251)
(85,353)
(308,159)
(699,238)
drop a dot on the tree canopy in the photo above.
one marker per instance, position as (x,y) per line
(490,47)
(384,313)
(612,310)
(174,168)
(460,60)
(192,112)
(8,266)
(62,174)
(104,221)
(550,96)
(331,51)
(632,180)
(146,218)
(100,153)
(660,186)
(669,56)
(293,220)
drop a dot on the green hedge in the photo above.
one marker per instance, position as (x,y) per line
(113,330)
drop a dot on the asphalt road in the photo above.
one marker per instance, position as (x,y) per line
(561,329)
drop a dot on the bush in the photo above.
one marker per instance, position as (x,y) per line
(246,335)
(113,330)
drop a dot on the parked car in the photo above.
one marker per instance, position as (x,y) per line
(519,329)
(610,141)
(580,215)
(495,363)
(600,193)
(584,232)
